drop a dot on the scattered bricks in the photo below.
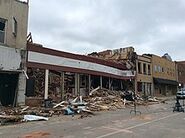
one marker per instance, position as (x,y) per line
(34,101)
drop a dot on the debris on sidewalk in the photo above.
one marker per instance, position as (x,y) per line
(9,119)
(34,118)
(69,111)
(98,100)
(59,104)
(24,109)
(154,99)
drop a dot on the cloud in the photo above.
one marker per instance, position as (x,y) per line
(151,26)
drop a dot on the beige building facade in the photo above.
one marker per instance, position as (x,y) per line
(14,22)
(164,76)
(156,75)
(13,40)
(144,79)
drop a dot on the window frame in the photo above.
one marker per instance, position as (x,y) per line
(14,26)
(3,31)
(149,69)
(144,69)
(139,68)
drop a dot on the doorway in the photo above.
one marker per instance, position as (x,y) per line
(8,85)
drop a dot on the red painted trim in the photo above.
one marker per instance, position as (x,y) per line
(74,70)
(40,49)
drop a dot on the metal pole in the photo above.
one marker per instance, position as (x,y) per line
(101,82)
(89,83)
(109,84)
(62,85)
(76,84)
(135,91)
(46,84)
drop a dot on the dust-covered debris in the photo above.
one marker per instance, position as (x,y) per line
(87,106)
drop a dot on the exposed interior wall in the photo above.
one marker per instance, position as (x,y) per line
(95,81)
(35,84)
(105,83)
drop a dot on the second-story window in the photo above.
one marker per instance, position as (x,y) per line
(2,30)
(155,68)
(139,67)
(144,68)
(180,73)
(149,70)
(162,69)
(14,27)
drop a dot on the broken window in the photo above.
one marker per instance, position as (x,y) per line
(2,30)
(14,27)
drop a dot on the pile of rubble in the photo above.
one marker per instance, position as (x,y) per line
(103,99)
(98,100)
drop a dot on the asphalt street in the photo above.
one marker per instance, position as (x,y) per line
(155,121)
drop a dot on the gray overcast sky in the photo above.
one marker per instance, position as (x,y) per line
(85,26)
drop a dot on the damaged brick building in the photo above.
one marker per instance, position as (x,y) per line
(155,75)
(181,73)
(56,74)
